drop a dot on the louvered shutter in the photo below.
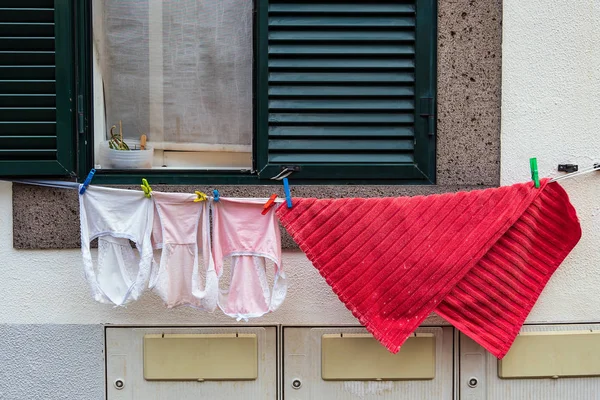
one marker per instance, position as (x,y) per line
(346,89)
(36,88)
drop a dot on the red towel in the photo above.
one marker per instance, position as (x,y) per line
(479,259)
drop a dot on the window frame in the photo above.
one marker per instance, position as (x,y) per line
(425,152)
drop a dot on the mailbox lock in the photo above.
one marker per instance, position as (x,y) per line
(296,383)
(473,382)
(119,384)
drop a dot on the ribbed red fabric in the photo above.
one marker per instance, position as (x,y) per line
(479,259)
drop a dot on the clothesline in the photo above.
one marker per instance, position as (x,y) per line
(585,171)
(52,184)
(75,185)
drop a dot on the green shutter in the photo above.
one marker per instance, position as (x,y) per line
(37,131)
(346,89)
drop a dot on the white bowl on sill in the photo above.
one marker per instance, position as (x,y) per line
(126,159)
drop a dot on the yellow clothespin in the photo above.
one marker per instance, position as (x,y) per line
(146,188)
(201,197)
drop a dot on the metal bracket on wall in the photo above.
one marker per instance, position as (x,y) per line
(568,168)
(428,111)
(80,116)
(294,168)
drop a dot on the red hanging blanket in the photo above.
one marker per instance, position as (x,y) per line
(479,259)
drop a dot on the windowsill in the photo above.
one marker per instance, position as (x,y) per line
(169,176)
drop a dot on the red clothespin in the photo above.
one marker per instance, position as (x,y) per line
(270,203)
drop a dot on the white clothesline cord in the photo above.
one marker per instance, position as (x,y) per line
(75,185)
(578,173)
(52,184)
(283,174)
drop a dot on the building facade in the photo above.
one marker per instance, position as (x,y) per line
(514,80)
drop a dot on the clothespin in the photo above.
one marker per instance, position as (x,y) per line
(216,195)
(146,188)
(535,176)
(87,181)
(288,194)
(270,203)
(201,197)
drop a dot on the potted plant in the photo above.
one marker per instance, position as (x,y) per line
(116,153)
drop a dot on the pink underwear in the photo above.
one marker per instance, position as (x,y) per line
(181,229)
(249,238)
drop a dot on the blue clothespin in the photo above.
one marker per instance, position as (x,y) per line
(535,176)
(216,195)
(87,181)
(288,194)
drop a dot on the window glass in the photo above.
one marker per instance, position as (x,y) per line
(179,72)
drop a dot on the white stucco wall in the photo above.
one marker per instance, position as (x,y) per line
(551,110)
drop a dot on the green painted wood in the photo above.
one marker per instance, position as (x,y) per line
(356,77)
(37,81)
(300,64)
(65,85)
(340,118)
(11,29)
(27,72)
(347,132)
(27,58)
(261,88)
(27,100)
(340,145)
(83,60)
(341,36)
(322,49)
(341,8)
(33,128)
(8,14)
(339,88)
(18,155)
(26,43)
(351,91)
(28,86)
(29,142)
(27,3)
(340,157)
(338,22)
(343,105)
(27,113)
(426,85)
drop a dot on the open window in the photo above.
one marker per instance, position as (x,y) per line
(226,91)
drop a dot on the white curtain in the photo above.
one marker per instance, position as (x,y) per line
(179,71)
